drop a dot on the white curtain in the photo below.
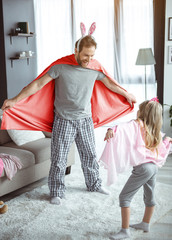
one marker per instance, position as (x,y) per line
(58,28)
(53,30)
(101,12)
(135,31)
(121,30)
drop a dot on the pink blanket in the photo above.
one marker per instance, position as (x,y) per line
(11,164)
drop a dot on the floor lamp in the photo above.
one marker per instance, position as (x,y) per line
(145,57)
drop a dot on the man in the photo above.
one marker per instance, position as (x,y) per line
(73,89)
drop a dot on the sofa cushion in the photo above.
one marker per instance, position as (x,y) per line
(21,137)
(47,134)
(40,148)
(26,157)
(4,137)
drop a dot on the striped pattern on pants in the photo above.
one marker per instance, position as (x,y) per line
(63,134)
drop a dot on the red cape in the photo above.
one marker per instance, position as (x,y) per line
(37,111)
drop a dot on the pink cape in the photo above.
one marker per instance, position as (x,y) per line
(127,149)
(37,111)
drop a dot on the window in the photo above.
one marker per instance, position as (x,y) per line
(136,32)
(58,27)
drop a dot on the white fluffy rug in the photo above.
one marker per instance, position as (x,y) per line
(82,216)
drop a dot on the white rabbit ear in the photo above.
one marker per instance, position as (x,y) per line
(83,29)
(92,28)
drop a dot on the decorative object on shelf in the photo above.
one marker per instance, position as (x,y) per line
(169,54)
(25,54)
(145,57)
(24,27)
(29,53)
(170,29)
(22,30)
(17,30)
(21,56)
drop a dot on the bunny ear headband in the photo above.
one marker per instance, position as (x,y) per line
(83,32)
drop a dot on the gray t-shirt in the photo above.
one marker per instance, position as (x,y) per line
(73,90)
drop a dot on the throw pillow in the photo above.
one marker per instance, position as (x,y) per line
(21,137)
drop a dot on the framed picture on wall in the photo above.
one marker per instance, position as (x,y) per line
(170,29)
(169,54)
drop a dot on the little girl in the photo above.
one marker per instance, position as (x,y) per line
(139,144)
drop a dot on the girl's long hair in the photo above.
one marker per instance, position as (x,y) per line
(150,112)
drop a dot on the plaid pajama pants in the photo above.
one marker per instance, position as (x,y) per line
(63,134)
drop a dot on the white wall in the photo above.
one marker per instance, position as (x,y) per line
(167,73)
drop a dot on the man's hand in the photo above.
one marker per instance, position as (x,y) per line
(109,134)
(131,98)
(8,103)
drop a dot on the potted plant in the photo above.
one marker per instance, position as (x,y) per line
(170,115)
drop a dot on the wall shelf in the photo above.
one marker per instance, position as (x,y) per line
(20,58)
(26,35)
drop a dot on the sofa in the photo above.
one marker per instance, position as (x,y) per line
(35,158)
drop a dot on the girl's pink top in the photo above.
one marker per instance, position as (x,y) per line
(127,149)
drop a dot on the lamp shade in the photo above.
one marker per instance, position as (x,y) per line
(145,57)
